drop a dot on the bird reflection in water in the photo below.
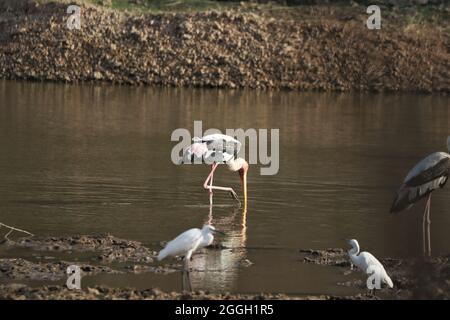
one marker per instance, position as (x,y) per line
(217,266)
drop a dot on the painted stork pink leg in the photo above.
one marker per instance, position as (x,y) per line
(429,225)
(424,230)
(426,227)
(208,185)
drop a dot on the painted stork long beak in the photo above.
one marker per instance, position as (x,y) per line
(243,175)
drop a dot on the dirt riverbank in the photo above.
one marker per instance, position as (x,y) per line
(42,265)
(22,292)
(49,272)
(415,278)
(318,47)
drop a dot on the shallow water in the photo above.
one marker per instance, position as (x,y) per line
(90,158)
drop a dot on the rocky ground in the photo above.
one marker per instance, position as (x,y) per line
(45,267)
(315,47)
(111,249)
(22,292)
(415,278)
(19,269)
(105,250)
(422,278)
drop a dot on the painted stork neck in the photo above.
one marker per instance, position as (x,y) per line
(236,164)
(241,166)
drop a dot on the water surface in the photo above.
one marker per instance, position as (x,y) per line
(96,159)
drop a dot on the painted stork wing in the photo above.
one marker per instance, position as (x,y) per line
(428,175)
(218,136)
(408,195)
(222,140)
(401,201)
(223,148)
(440,169)
(195,153)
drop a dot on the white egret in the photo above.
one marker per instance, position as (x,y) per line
(368,263)
(428,175)
(215,149)
(188,242)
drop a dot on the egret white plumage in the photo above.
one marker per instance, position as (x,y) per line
(188,242)
(185,245)
(428,175)
(215,149)
(367,262)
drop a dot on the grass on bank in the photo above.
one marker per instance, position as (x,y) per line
(409,17)
(173,5)
(158,6)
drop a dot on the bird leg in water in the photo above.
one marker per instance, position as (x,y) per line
(210,215)
(210,190)
(429,225)
(189,281)
(186,263)
(426,227)
(208,185)
(424,230)
(188,278)
(185,279)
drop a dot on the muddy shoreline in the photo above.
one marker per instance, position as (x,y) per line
(413,278)
(307,48)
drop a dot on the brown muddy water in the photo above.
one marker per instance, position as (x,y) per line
(85,159)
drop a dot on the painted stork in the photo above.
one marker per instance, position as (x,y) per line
(215,149)
(428,175)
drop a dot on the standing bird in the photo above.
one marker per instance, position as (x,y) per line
(367,262)
(186,244)
(215,149)
(428,175)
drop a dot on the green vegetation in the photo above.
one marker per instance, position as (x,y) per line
(169,5)
(158,6)
(422,15)
(409,17)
